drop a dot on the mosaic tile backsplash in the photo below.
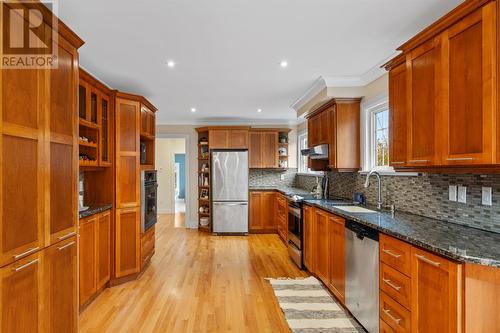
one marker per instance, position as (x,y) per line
(425,195)
(266,177)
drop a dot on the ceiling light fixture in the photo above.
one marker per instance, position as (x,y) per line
(193,110)
(284,64)
(259,110)
(171,64)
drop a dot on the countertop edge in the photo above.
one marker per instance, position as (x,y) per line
(439,251)
(96,209)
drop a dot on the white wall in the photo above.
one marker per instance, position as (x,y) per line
(165,151)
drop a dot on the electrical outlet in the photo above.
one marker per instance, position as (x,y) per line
(486,196)
(462,194)
(452,193)
(282,177)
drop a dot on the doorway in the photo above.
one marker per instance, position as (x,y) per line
(171,166)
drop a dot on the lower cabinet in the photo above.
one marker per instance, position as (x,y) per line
(282,217)
(147,246)
(262,211)
(128,241)
(95,247)
(337,257)
(38,293)
(324,248)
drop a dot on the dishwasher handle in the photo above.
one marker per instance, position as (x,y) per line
(361,231)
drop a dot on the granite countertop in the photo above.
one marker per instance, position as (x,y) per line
(286,190)
(454,241)
(95,209)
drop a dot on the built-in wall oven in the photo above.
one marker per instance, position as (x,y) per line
(295,232)
(149,201)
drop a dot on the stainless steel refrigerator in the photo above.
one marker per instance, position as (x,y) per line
(229,191)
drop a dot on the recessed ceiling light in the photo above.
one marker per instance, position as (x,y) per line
(259,110)
(171,64)
(193,110)
(284,64)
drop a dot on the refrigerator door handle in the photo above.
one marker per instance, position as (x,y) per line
(230,204)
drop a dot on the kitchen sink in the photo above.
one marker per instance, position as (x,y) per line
(354,209)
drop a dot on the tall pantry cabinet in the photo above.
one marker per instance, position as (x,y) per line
(38,188)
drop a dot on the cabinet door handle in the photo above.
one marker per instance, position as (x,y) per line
(392,285)
(424,259)
(418,161)
(24,254)
(392,254)
(17,269)
(388,313)
(67,235)
(397,162)
(460,159)
(66,246)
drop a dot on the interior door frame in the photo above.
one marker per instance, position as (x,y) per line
(191,222)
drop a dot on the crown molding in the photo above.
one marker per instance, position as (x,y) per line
(243,122)
(318,85)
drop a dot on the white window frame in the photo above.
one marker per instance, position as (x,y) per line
(303,169)
(368,151)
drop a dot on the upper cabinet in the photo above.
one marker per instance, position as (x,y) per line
(95,123)
(336,123)
(268,148)
(442,94)
(234,138)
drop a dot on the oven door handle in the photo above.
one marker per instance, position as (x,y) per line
(295,211)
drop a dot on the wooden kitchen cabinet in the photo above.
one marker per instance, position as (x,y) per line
(469,53)
(450,116)
(128,241)
(435,293)
(21,288)
(88,255)
(238,139)
(263,150)
(103,255)
(397,115)
(262,211)
(336,281)
(148,122)
(60,281)
(322,249)
(282,217)
(147,246)
(309,238)
(232,138)
(337,124)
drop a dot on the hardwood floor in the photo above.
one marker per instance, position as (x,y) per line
(198,283)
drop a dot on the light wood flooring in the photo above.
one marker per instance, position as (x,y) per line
(198,283)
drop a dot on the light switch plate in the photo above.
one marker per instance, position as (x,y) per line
(486,196)
(452,193)
(462,194)
(282,177)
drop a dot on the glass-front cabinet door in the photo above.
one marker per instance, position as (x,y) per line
(105,130)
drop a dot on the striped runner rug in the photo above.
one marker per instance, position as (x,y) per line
(309,308)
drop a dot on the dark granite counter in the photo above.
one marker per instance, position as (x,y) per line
(454,241)
(94,209)
(286,190)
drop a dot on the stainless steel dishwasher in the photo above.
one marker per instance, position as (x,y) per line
(362,266)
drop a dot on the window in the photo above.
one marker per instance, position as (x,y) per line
(376,136)
(302,160)
(381,138)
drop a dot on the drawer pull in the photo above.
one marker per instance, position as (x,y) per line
(20,255)
(392,285)
(424,259)
(66,246)
(419,161)
(67,235)
(460,159)
(388,313)
(392,254)
(17,269)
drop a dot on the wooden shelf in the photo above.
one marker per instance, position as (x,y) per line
(87,144)
(204,186)
(147,167)
(84,163)
(204,228)
(203,200)
(205,172)
(203,158)
(283,156)
(204,214)
(88,124)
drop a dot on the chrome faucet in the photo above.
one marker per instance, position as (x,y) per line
(367,184)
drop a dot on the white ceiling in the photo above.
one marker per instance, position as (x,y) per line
(227,52)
